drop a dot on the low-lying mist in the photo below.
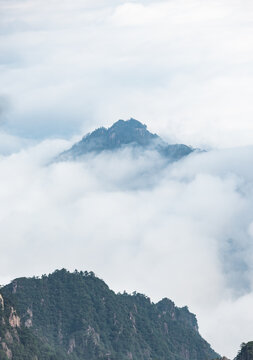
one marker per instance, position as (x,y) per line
(181,230)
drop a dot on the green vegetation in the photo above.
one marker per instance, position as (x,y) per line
(76,316)
(246,351)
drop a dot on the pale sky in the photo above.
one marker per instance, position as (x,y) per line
(181,66)
(184,231)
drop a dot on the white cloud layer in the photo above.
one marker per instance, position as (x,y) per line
(181,66)
(184,68)
(182,231)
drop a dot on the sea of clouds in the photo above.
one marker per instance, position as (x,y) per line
(183,231)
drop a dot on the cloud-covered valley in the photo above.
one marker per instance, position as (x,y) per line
(182,231)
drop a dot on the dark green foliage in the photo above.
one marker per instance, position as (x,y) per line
(246,351)
(20,341)
(76,316)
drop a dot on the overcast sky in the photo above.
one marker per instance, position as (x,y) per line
(181,66)
(182,231)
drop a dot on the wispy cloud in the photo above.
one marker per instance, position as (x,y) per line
(183,67)
(183,231)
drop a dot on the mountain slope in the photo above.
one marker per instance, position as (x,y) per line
(79,317)
(124,133)
(17,341)
(246,352)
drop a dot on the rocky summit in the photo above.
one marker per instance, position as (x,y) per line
(129,133)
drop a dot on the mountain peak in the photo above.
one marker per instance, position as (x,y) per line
(121,134)
(131,123)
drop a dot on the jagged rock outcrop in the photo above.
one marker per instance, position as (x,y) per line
(1,303)
(14,319)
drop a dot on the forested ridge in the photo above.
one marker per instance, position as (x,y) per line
(76,316)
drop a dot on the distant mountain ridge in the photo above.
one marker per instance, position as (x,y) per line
(75,316)
(121,134)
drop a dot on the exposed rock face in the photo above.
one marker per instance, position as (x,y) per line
(1,302)
(121,134)
(29,321)
(14,287)
(93,335)
(8,337)
(7,351)
(14,319)
(72,345)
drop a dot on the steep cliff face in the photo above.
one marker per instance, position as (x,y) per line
(77,317)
